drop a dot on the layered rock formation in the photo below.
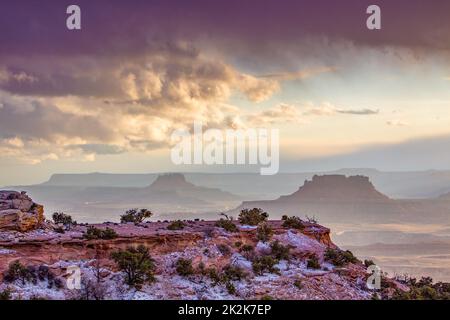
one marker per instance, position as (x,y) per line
(18,212)
(201,242)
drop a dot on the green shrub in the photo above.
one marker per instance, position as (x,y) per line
(93,233)
(264,264)
(6,294)
(264,232)
(184,267)
(62,218)
(252,217)
(230,288)
(233,273)
(339,258)
(248,251)
(298,283)
(368,263)
(224,249)
(176,225)
(135,215)
(267,297)
(227,225)
(17,271)
(59,230)
(213,275)
(137,264)
(293,223)
(313,263)
(279,251)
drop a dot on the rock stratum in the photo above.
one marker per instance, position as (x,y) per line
(18,212)
(48,255)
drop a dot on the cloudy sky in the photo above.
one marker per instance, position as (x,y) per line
(108,97)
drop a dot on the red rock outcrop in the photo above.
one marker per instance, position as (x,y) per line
(18,212)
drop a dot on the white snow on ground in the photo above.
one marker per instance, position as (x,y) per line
(300,241)
(6,251)
(247,227)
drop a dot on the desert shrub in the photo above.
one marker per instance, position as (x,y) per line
(252,217)
(279,251)
(135,215)
(313,263)
(238,244)
(233,273)
(293,223)
(264,264)
(184,267)
(224,249)
(267,297)
(213,275)
(93,233)
(368,263)
(59,230)
(33,274)
(17,271)
(6,294)
(424,289)
(137,264)
(264,232)
(298,283)
(227,225)
(248,251)
(339,258)
(312,219)
(176,225)
(230,288)
(62,218)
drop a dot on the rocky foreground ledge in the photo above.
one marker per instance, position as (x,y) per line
(190,260)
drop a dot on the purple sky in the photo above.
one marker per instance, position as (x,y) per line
(108,97)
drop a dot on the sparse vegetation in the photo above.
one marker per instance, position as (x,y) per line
(264,232)
(368,263)
(93,233)
(264,264)
(312,219)
(279,251)
(248,251)
(137,264)
(424,289)
(33,274)
(135,215)
(313,262)
(224,249)
(184,267)
(227,225)
(6,294)
(234,273)
(298,283)
(176,225)
(252,217)
(293,223)
(339,258)
(17,271)
(64,219)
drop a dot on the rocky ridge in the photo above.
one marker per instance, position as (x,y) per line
(19,212)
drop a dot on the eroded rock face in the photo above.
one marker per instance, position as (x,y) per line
(18,212)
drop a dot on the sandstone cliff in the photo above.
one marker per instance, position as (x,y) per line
(19,212)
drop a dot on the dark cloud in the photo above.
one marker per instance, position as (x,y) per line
(110,27)
(33,120)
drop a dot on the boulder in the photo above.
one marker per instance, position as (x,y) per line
(18,212)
